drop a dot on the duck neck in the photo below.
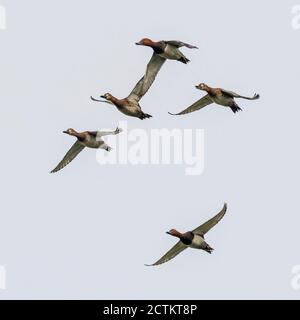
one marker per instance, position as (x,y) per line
(177,234)
(78,135)
(115,101)
(158,47)
(150,43)
(209,90)
(185,238)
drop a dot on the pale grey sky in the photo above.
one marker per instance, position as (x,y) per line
(87,231)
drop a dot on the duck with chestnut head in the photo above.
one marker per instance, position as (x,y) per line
(216,95)
(86,139)
(191,239)
(130,105)
(167,49)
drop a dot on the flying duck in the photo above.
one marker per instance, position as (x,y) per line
(89,139)
(167,49)
(218,96)
(191,239)
(130,105)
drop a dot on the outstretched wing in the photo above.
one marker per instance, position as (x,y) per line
(203,102)
(205,227)
(99,134)
(145,83)
(71,154)
(98,100)
(179,44)
(236,95)
(179,247)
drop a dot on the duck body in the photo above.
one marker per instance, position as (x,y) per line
(130,108)
(167,49)
(90,141)
(198,242)
(192,240)
(216,95)
(86,139)
(170,52)
(219,98)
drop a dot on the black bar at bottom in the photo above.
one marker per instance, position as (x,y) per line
(141,309)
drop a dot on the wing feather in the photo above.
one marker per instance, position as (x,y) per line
(70,155)
(179,44)
(173,252)
(205,227)
(203,102)
(146,81)
(236,95)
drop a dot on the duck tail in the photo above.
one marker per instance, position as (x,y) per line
(255,97)
(208,249)
(235,108)
(145,116)
(184,60)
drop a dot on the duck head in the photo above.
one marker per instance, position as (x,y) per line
(174,233)
(70,132)
(202,86)
(145,42)
(107,96)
